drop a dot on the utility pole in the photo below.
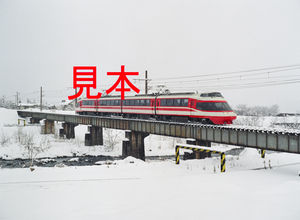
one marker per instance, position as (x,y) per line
(17,97)
(146,82)
(76,98)
(41,99)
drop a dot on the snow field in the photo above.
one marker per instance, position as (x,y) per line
(134,189)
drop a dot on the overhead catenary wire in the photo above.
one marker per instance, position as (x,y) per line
(238,77)
(227,73)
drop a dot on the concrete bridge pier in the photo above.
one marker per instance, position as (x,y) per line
(134,145)
(197,155)
(34,121)
(203,143)
(68,130)
(48,127)
(94,137)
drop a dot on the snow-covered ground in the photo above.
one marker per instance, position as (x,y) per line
(251,187)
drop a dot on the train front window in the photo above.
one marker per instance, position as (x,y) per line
(213,106)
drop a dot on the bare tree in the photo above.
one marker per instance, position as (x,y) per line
(4,139)
(111,138)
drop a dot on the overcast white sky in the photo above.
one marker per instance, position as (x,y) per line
(41,41)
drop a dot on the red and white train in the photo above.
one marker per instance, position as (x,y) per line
(210,108)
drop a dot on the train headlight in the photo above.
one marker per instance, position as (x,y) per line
(225,113)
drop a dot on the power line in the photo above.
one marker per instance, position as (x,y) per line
(244,77)
(226,73)
(235,86)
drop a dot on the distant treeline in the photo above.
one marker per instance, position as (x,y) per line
(245,110)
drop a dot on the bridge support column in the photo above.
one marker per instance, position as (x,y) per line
(48,127)
(67,130)
(133,145)
(34,121)
(203,143)
(197,155)
(192,155)
(95,137)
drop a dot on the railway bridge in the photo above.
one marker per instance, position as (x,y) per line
(137,129)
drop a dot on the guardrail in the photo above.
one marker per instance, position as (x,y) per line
(199,149)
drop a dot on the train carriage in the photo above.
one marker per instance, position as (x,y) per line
(200,107)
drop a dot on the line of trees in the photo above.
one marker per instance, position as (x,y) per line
(7,103)
(245,110)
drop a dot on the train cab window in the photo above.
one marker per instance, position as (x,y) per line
(184,102)
(177,102)
(170,102)
(77,104)
(163,102)
(213,106)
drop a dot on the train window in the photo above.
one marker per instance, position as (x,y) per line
(136,102)
(177,102)
(131,102)
(77,104)
(170,102)
(147,102)
(213,106)
(142,102)
(184,102)
(163,102)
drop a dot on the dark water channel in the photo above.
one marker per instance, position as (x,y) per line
(57,161)
(86,160)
